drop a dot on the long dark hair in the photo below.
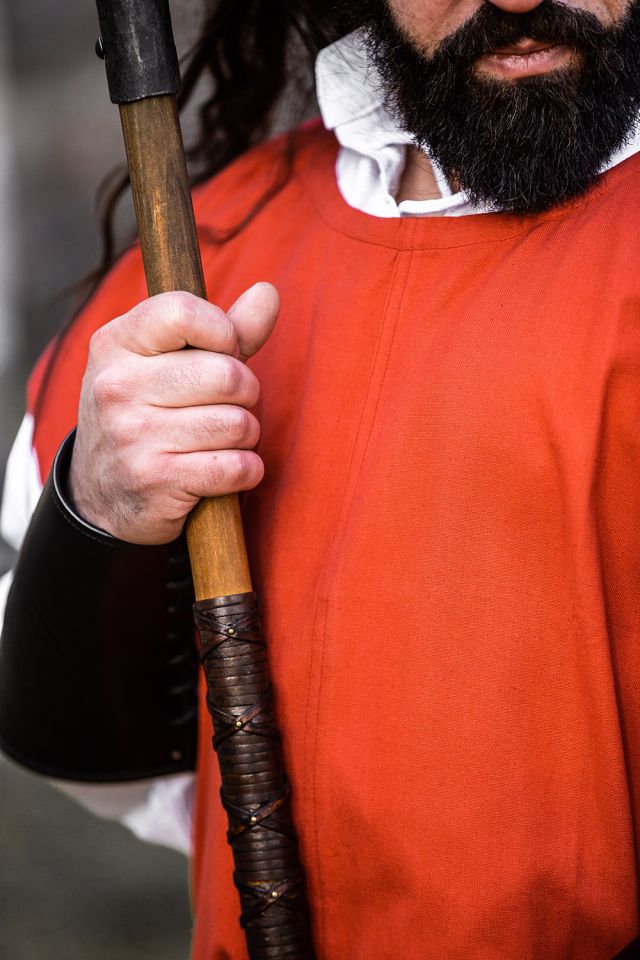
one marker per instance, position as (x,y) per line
(257,58)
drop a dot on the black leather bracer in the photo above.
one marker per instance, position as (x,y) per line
(98,666)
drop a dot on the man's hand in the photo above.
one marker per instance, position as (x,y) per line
(160,427)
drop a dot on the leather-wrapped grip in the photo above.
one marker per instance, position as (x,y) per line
(255,792)
(98,663)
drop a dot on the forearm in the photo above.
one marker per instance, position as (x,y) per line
(97,662)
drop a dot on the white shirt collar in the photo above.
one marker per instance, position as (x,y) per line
(373,147)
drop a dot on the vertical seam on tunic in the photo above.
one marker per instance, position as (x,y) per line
(322,601)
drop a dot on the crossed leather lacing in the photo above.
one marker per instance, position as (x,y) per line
(228,724)
(259,817)
(286,894)
(220,626)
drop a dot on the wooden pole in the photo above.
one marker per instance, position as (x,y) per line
(143,79)
(164,212)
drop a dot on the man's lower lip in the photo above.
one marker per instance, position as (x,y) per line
(511,66)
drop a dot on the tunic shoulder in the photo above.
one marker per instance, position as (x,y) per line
(223,205)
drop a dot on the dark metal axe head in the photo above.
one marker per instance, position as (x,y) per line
(138,48)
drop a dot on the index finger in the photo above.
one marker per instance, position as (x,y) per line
(169,322)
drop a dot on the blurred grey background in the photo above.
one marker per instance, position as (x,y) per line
(71,886)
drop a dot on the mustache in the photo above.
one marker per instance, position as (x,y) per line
(491,28)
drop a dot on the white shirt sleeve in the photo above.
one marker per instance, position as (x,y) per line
(158,810)
(22,486)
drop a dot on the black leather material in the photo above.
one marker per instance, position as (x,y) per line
(630,952)
(98,665)
(140,55)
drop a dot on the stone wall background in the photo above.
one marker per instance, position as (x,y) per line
(71,886)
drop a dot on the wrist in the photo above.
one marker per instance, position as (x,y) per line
(68,490)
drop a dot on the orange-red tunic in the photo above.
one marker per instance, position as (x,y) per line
(447,547)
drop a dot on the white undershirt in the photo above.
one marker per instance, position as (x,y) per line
(369,168)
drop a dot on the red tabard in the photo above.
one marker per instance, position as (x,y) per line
(447,548)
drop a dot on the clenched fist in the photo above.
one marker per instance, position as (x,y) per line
(160,427)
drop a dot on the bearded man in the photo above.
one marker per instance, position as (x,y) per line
(442,505)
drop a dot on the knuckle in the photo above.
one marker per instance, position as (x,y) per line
(180,308)
(182,302)
(98,342)
(252,387)
(135,426)
(107,389)
(138,317)
(244,468)
(229,375)
(241,427)
(229,471)
(168,310)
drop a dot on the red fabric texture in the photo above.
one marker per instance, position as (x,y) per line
(446,545)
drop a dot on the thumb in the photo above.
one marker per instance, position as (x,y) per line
(254,315)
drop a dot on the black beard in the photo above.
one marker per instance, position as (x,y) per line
(521,146)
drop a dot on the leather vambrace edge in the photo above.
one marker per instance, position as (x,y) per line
(98,664)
